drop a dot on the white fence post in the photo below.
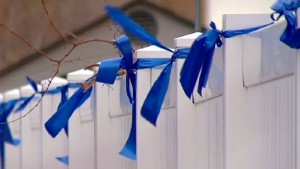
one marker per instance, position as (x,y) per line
(113,123)
(58,146)
(201,125)
(156,146)
(12,152)
(81,127)
(31,131)
(259,104)
(1,100)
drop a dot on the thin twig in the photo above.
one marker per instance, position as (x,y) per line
(35,106)
(27,43)
(52,23)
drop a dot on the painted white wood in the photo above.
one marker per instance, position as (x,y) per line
(263,53)
(12,152)
(200,126)
(31,131)
(214,9)
(81,127)
(113,123)
(58,146)
(156,146)
(259,120)
(297,84)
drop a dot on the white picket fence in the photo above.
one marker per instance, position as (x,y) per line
(247,117)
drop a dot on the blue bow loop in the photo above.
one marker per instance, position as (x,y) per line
(200,57)
(108,70)
(33,84)
(132,27)
(124,46)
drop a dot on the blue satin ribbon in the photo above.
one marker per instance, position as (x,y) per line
(64,160)
(132,27)
(60,118)
(5,132)
(287,8)
(7,110)
(64,98)
(108,72)
(154,100)
(200,57)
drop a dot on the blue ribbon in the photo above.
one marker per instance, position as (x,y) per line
(26,101)
(5,132)
(64,160)
(201,55)
(64,98)
(132,27)
(60,119)
(108,72)
(154,100)
(6,136)
(287,8)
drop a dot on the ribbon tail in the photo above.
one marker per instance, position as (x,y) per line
(60,119)
(33,84)
(25,103)
(233,33)
(129,149)
(192,65)
(66,129)
(132,27)
(64,160)
(2,151)
(8,138)
(291,36)
(205,70)
(154,100)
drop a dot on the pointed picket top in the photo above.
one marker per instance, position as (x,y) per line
(186,40)
(56,82)
(153,52)
(79,75)
(27,90)
(12,94)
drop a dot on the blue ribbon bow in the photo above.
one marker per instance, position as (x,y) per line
(108,72)
(200,57)
(26,100)
(65,110)
(5,132)
(287,8)
(152,105)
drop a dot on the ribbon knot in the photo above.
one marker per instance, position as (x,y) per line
(287,8)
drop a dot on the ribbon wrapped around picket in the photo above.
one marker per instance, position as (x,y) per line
(199,58)
(60,119)
(291,33)
(5,132)
(108,72)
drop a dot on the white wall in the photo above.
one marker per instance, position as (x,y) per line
(214,9)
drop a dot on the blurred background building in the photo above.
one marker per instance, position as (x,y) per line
(166,19)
